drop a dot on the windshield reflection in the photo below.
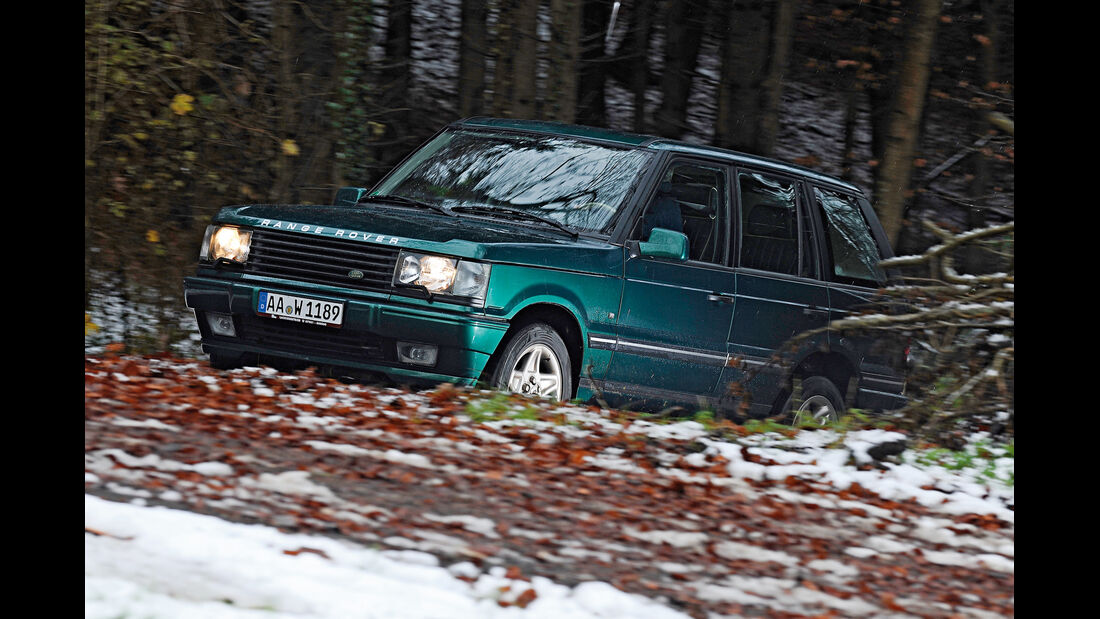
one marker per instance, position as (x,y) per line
(574,183)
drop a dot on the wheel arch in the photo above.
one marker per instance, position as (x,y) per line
(558,317)
(832,365)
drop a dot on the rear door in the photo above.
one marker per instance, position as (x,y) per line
(779,290)
(853,247)
(675,315)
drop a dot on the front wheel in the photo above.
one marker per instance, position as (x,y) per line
(535,362)
(819,405)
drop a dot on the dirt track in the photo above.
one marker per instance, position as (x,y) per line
(573,498)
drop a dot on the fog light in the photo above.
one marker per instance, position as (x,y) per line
(221,324)
(417,354)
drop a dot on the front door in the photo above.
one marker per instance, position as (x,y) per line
(675,315)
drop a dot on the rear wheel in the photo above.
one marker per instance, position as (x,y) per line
(535,362)
(819,404)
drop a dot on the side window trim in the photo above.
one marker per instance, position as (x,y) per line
(817,230)
(623,230)
(877,231)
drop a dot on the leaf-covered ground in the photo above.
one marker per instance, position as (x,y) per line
(709,523)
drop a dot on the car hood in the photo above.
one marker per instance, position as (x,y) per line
(464,236)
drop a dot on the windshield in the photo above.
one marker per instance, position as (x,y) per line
(577,184)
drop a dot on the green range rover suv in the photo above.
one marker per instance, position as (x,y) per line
(565,262)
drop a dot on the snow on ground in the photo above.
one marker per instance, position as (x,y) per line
(164,563)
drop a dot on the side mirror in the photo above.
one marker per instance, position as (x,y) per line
(349,196)
(664,243)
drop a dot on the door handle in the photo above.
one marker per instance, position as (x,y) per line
(721,298)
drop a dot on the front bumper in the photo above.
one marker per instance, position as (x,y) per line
(367,341)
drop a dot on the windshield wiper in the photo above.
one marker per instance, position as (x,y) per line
(514,214)
(407,202)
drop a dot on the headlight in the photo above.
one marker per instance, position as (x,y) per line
(228,242)
(441,275)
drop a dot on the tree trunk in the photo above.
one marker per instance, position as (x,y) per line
(472,52)
(885,43)
(629,65)
(316,80)
(981,170)
(592,71)
(565,32)
(782,32)
(503,52)
(395,82)
(755,54)
(302,37)
(524,69)
(744,52)
(904,122)
(282,37)
(683,36)
(352,96)
(851,115)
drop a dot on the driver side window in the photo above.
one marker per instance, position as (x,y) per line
(691,199)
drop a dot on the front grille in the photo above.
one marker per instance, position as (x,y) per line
(296,337)
(321,260)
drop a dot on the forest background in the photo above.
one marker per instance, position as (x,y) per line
(191,105)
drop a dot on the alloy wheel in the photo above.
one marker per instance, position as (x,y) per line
(816,410)
(537,372)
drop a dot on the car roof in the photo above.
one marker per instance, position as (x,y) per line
(638,140)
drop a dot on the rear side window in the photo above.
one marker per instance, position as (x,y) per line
(853,253)
(774,231)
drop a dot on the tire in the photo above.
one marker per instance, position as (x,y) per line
(820,403)
(535,362)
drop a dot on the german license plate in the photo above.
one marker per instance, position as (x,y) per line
(300,309)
